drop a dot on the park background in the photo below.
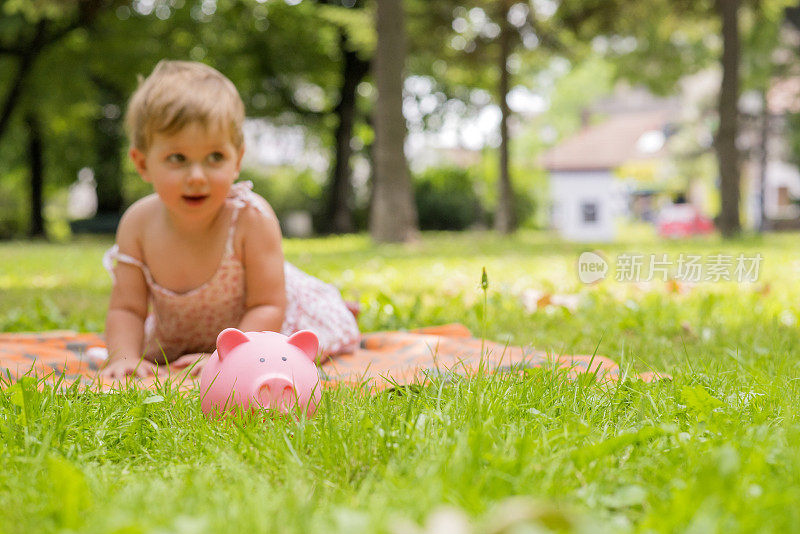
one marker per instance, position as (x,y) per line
(487,101)
(471,105)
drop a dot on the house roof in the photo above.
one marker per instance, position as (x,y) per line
(609,144)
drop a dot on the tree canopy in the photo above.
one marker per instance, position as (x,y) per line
(68,66)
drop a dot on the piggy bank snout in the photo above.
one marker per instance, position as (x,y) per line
(276,392)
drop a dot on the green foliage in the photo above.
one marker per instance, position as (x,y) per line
(530,186)
(655,43)
(283,58)
(356,23)
(36,10)
(287,190)
(13,214)
(659,42)
(574,91)
(446,199)
(699,403)
(67,492)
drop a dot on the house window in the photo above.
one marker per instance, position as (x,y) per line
(784,198)
(589,212)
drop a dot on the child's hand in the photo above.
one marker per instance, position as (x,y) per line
(195,361)
(122,367)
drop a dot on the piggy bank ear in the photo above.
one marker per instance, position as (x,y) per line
(229,339)
(307,341)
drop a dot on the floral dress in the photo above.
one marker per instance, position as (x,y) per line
(184,323)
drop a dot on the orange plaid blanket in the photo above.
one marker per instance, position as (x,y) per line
(385,359)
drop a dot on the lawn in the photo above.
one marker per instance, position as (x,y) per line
(709,450)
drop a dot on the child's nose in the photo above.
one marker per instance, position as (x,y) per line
(196,173)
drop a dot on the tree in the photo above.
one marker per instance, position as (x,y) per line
(31,29)
(666,40)
(728,156)
(36,166)
(322,47)
(479,41)
(27,32)
(339,209)
(274,52)
(505,220)
(767,55)
(392,212)
(356,47)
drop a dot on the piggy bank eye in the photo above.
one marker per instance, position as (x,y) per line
(283,358)
(262,360)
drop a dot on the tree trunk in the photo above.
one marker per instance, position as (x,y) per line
(109,143)
(725,143)
(763,159)
(36,166)
(339,211)
(26,60)
(42,38)
(393,214)
(504,218)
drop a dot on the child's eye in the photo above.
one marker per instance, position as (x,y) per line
(216,157)
(176,158)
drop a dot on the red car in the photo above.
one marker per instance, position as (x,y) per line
(682,220)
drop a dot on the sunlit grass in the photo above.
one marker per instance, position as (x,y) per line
(710,450)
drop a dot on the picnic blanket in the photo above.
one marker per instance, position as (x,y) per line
(384,359)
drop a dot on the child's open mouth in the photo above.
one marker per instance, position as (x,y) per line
(194,200)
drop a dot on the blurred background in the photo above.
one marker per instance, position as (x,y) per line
(580,116)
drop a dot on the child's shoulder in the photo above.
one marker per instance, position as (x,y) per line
(258,217)
(140,211)
(258,225)
(136,218)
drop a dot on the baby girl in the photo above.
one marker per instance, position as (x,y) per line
(202,253)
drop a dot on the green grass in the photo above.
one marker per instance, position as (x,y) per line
(713,449)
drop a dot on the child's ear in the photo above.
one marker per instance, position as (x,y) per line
(140,162)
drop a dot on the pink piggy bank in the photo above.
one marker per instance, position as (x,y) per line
(251,370)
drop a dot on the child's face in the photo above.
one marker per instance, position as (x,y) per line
(191,170)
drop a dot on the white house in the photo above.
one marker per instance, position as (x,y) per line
(587,171)
(781,191)
(586,193)
(583,205)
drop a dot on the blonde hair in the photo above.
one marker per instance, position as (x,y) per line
(178,93)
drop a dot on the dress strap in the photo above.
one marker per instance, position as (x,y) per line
(232,231)
(241,195)
(113,254)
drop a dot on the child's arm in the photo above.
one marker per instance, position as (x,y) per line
(127,308)
(262,258)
